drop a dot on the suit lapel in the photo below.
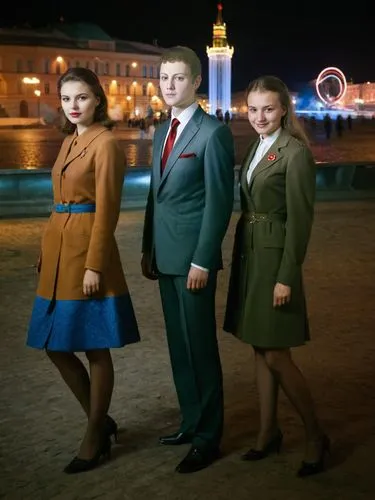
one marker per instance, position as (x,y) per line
(157,151)
(247,160)
(182,142)
(272,156)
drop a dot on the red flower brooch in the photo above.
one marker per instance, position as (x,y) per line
(271,157)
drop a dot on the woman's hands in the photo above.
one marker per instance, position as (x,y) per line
(281,294)
(91,282)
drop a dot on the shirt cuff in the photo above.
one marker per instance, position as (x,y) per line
(200,267)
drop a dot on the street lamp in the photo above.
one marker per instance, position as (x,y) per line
(31,80)
(135,96)
(37,93)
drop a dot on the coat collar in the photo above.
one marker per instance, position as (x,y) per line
(272,156)
(76,145)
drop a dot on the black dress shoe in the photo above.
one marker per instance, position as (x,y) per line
(176,439)
(197,459)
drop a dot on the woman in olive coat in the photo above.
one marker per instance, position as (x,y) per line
(266,303)
(83,303)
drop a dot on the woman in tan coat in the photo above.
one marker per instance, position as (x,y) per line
(266,302)
(83,303)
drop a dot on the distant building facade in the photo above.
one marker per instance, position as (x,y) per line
(31,61)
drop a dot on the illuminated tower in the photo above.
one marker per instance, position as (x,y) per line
(220,60)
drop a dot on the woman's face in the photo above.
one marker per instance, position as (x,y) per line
(79,104)
(265,112)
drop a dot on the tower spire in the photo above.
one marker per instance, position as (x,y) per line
(219,19)
(220,29)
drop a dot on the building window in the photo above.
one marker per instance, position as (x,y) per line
(46,66)
(151,72)
(144,89)
(144,71)
(118,69)
(106,68)
(127,70)
(46,88)
(96,67)
(30,66)
(19,66)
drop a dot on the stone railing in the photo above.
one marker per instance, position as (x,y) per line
(29,192)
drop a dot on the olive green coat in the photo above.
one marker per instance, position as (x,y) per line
(272,250)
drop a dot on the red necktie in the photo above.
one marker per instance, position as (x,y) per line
(169,143)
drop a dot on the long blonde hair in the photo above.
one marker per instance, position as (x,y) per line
(289,121)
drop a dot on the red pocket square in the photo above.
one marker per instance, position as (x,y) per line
(188,155)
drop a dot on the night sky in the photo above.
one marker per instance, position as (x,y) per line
(268,36)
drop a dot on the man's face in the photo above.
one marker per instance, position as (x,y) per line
(176,84)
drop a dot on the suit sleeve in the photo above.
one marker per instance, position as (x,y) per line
(109,179)
(219,195)
(300,198)
(148,222)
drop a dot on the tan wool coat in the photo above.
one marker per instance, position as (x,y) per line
(90,168)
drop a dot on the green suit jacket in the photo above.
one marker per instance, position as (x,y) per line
(189,206)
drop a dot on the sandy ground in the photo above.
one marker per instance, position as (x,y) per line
(41,424)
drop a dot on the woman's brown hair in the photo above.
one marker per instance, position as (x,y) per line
(88,77)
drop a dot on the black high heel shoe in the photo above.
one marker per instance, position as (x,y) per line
(272,446)
(81,465)
(111,428)
(311,468)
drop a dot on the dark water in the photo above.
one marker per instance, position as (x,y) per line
(38,148)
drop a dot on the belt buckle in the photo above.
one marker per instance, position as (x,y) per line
(253,219)
(257,218)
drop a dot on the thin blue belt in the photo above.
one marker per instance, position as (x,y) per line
(74,208)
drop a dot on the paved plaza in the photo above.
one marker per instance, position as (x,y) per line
(41,424)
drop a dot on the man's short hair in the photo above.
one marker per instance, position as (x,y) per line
(185,55)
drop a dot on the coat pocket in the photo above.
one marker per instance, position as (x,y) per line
(273,235)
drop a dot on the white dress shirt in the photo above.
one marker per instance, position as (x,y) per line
(264,145)
(183,118)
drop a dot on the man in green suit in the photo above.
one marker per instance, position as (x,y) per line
(188,211)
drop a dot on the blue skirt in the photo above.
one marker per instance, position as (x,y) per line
(82,325)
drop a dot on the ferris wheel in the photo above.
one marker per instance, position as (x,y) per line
(331,85)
